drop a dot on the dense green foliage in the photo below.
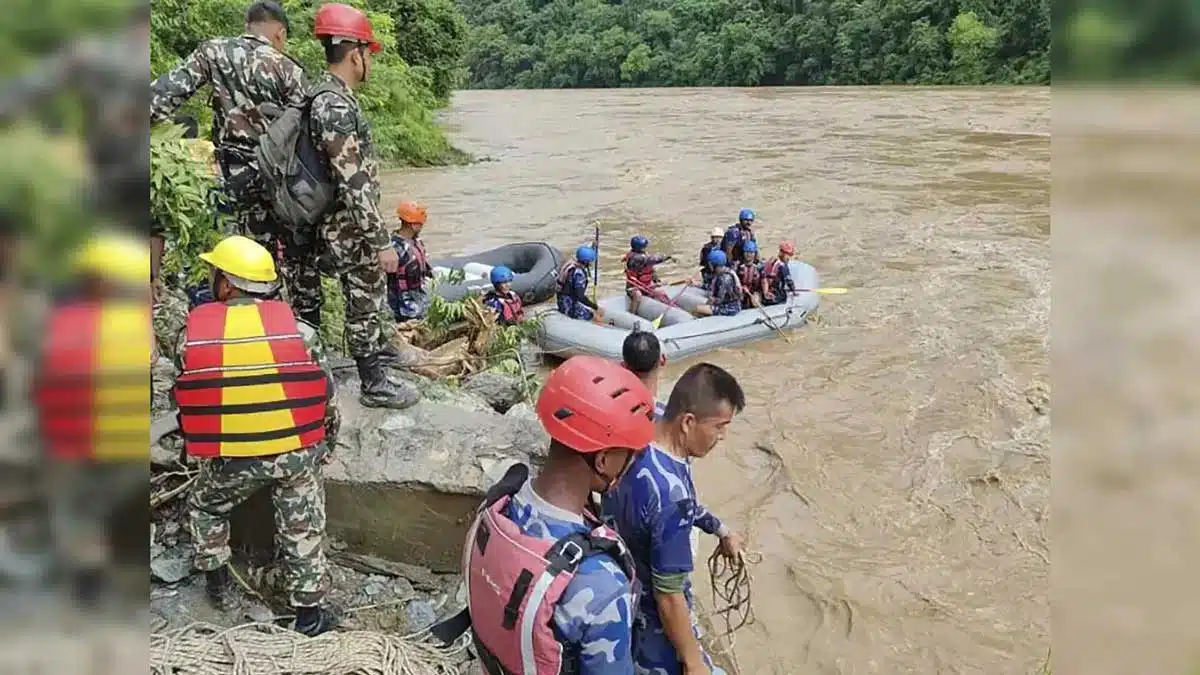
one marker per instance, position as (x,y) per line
(1102,40)
(408,81)
(651,43)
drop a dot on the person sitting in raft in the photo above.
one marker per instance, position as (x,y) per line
(656,510)
(406,288)
(502,298)
(537,549)
(725,293)
(642,355)
(714,242)
(750,275)
(777,276)
(640,277)
(571,296)
(738,234)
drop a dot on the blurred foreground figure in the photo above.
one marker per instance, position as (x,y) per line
(256,408)
(92,395)
(109,74)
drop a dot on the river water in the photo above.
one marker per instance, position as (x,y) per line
(893,463)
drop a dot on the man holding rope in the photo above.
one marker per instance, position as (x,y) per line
(655,510)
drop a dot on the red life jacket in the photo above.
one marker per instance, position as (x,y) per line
(92,389)
(249,386)
(413,265)
(564,273)
(640,278)
(511,310)
(771,269)
(750,277)
(515,581)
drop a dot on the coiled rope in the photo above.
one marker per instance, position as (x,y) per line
(267,649)
(731,581)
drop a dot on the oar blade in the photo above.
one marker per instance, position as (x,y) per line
(833,291)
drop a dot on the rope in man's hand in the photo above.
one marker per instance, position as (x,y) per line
(731,581)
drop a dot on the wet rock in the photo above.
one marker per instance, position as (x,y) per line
(171,565)
(421,614)
(403,484)
(259,613)
(500,391)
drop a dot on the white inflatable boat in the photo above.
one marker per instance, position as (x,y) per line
(682,335)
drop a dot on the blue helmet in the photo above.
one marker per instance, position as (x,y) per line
(585,254)
(717,259)
(750,247)
(500,275)
(639,243)
(746,214)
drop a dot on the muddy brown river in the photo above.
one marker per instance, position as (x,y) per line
(893,464)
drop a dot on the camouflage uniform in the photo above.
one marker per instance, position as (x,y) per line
(110,76)
(594,617)
(251,83)
(352,233)
(296,492)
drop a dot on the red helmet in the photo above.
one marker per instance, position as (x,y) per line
(343,21)
(786,248)
(591,404)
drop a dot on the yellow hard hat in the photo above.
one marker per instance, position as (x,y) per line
(246,263)
(116,257)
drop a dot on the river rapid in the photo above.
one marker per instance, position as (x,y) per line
(892,465)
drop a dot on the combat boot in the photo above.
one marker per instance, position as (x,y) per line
(380,392)
(219,586)
(312,621)
(311,317)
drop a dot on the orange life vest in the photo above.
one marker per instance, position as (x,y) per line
(249,386)
(771,269)
(414,266)
(92,387)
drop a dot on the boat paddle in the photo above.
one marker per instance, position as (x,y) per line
(671,302)
(596,266)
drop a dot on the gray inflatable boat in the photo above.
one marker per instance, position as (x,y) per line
(681,334)
(534,264)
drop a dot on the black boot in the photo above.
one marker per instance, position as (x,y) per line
(311,317)
(380,392)
(219,586)
(312,621)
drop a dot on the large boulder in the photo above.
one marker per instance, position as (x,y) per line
(403,484)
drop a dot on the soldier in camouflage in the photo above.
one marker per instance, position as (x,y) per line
(294,477)
(252,82)
(352,233)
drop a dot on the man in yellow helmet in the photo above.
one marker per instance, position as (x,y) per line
(91,393)
(256,408)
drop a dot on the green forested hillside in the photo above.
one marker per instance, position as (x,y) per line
(599,43)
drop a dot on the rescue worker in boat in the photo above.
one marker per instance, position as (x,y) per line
(777,276)
(406,287)
(714,243)
(91,396)
(256,410)
(571,297)
(641,354)
(738,234)
(503,299)
(750,275)
(657,511)
(725,293)
(537,550)
(640,277)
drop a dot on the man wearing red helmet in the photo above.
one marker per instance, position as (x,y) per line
(549,588)
(352,231)
(777,277)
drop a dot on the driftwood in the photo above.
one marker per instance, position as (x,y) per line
(454,351)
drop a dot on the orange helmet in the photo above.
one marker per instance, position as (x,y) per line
(411,212)
(786,248)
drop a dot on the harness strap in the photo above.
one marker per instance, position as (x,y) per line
(512,610)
